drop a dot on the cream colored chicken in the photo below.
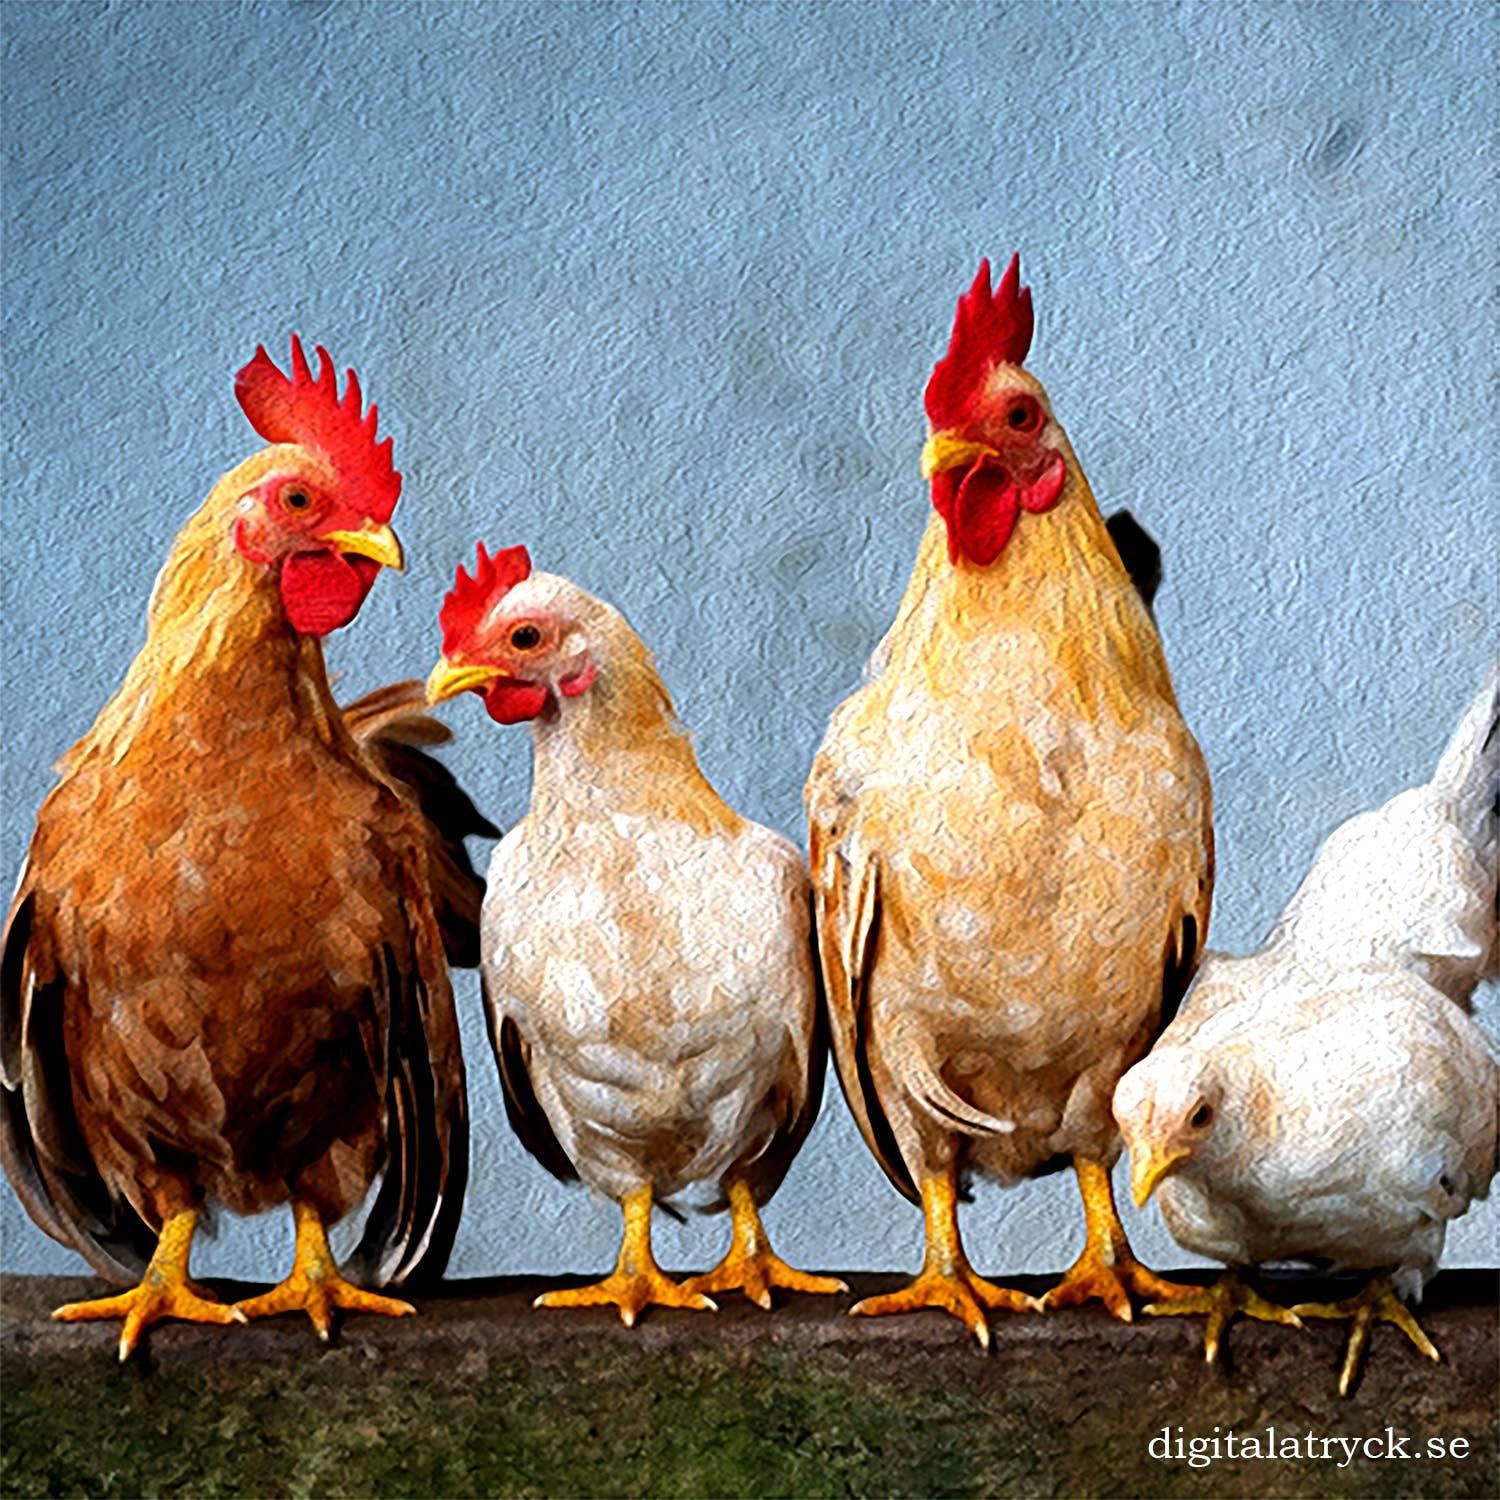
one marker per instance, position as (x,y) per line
(1010,829)
(647,954)
(1328,1098)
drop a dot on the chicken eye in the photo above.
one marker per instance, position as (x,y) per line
(296,499)
(1202,1117)
(1024,415)
(526,638)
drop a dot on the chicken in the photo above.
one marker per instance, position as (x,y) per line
(224,977)
(1411,885)
(1328,1098)
(648,969)
(1010,832)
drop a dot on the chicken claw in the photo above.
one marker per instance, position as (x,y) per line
(1107,1270)
(165,1292)
(315,1286)
(1221,1302)
(636,1282)
(1377,1303)
(632,1292)
(947,1280)
(751,1265)
(958,1291)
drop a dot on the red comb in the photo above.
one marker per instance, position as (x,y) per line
(988,330)
(307,411)
(470,599)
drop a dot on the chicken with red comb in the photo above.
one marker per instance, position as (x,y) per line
(1010,831)
(648,968)
(225,971)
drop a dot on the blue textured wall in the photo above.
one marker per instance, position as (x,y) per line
(656,289)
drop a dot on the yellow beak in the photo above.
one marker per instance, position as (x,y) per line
(946,450)
(372,540)
(449,679)
(1148,1165)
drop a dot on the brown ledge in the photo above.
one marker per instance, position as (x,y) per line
(480,1394)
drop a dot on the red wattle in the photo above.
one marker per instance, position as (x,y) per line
(321,591)
(508,701)
(980,504)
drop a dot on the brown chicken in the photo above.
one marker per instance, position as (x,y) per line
(224,976)
(1010,832)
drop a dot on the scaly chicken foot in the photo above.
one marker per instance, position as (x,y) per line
(750,1265)
(1107,1270)
(636,1282)
(947,1280)
(166,1291)
(315,1286)
(1379,1302)
(1220,1303)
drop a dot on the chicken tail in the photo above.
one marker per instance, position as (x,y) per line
(1468,773)
(1139,553)
(395,730)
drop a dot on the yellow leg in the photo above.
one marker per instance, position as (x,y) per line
(315,1286)
(165,1291)
(947,1280)
(1378,1303)
(751,1265)
(1220,1303)
(1107,1270)
(636,1282)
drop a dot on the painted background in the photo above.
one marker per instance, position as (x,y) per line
(655,290)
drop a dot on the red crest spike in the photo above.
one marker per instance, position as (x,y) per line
(988,330)
(309,412)
(470,599)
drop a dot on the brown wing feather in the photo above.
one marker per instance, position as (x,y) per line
(391,726)
(525,1114)
(849,923)
(1185,944)
(42,1148)
(768,1171)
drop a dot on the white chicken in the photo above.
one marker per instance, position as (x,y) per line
(648,968)
(1328,1098)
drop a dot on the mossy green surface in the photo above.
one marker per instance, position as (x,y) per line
(607,1421)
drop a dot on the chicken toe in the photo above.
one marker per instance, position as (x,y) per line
(1377,1303)
(1220,1303)
(165,1292)
(315,1286)
(636,1282)
(750,1265)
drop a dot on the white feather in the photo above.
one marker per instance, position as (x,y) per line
(1356,1105)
